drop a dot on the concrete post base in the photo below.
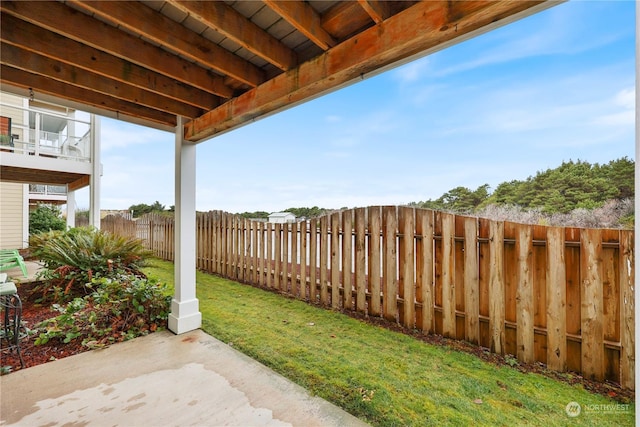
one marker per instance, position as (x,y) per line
(185,316)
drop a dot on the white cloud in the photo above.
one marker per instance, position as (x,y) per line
(562,30)
(118,135)
(413,71)
(626,98)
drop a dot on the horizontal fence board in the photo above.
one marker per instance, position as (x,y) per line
(560,296)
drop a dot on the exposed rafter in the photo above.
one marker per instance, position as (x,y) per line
(56,17)
(37,64)
(227,21)
(305,19)
(377,10)
(145,21)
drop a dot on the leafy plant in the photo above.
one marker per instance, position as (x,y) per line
(119,309)
(75,257)
(46,218)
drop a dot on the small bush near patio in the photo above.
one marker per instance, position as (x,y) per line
(46,218)
(75,257)
(117,310)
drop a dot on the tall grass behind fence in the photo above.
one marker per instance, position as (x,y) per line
(561,296)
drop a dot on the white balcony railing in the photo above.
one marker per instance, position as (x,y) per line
(48,190)
(47,135)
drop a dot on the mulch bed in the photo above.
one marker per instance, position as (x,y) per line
(33,355)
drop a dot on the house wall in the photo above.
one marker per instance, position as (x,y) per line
(279,218)
(12,224)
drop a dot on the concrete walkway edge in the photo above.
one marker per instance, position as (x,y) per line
(162,380)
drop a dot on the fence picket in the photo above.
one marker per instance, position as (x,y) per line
(374,260)
(496,287)
(324,248)
(303,260)
(592,304)
(347,249)
(471,281)
(390,264)
(448,279)
(627,309)
(524,298)
(269,256)
(424,269)
(407,254)
(556,300)
(335,260)
(360,260)
(294,260)
(313,260)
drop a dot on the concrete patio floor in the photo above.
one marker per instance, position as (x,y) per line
(161,380)
(15,274)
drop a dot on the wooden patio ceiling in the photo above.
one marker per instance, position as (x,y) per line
(222,64)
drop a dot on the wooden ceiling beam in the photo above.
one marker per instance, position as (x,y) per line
(28,61)
(420,29)
(143,20)
(345,18)
(38,40)
(376,9)
(74,24)
(304,18)
(232,24)
(46,85)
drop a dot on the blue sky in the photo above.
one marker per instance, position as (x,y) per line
(556,86)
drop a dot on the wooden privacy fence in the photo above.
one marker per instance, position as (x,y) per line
(561,296)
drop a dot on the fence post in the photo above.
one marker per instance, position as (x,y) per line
(556,300)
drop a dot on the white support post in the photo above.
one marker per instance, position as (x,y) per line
(71,208)
(185,312)
(96,173)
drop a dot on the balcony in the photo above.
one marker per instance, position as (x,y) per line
(49,194)
(45,147)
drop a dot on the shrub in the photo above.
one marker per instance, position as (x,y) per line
(75,257)
(119,309)
(46,218)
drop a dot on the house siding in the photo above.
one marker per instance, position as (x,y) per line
(11,220)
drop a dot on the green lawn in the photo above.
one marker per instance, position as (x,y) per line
(383,377)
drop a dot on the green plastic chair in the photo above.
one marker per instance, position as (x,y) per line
(10,258)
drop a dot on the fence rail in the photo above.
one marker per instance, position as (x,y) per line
(561,296)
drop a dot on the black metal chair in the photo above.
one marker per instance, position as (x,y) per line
(11,307)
